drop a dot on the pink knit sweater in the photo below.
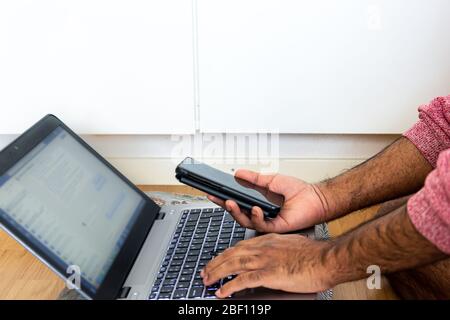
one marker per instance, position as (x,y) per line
(429,209)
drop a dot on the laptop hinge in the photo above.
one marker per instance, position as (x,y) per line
(160,215)
(124,292)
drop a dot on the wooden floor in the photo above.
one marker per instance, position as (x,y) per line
(23,277)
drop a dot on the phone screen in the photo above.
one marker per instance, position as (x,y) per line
(209,174)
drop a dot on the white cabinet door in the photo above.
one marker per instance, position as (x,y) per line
(320,66)
(102,66)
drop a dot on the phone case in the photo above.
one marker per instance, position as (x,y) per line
(204,184)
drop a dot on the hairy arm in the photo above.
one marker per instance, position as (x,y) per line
(398,170)
(390,242)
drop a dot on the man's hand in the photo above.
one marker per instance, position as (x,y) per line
(291,263)
(303,207)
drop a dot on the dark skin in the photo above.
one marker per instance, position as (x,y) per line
(430,281)
(296,264)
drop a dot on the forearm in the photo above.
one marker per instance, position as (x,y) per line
(398,170)
(390,242)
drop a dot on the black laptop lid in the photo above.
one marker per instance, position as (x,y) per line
(72,208)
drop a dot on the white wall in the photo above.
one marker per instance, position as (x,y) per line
(148,159)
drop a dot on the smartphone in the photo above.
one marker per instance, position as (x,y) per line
(227,187)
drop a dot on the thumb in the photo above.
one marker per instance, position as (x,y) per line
(258,221)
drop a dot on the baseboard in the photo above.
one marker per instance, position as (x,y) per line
(162,170)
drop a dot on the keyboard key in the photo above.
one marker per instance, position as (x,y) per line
(183,284)
(181,251)
(214,286)
(170,282)
(192,259)
(205,256)
(199,233)
(193,252)
(166,289)
(196,211)
(172,275)
(219,210)
(207,210)
(176,263)
(203,224)
(190,265)
(197,276)
(178,257)
(222,247)
(227,279)
(187,271)
(153,296)
(228,217)
(195,247)
(198,283)
(174,269)
(193,217)
(209,293)
(196,292)
(164,296)
(185,277)
(180,293)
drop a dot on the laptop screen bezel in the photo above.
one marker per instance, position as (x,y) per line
(113,281)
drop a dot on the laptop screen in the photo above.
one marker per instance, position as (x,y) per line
(70,204)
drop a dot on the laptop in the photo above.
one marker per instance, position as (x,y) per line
(88,223)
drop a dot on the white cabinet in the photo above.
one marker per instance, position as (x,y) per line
(320,66)
(287,66)
(103,66)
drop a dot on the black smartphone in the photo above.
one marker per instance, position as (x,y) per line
(227,187)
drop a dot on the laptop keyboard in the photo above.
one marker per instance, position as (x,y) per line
(201,234)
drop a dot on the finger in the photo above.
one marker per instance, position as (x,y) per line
(237,214)
(216,200)
(234,265)
(255,242)
(246,280)
(254,177)
(258,221)
(224,257)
